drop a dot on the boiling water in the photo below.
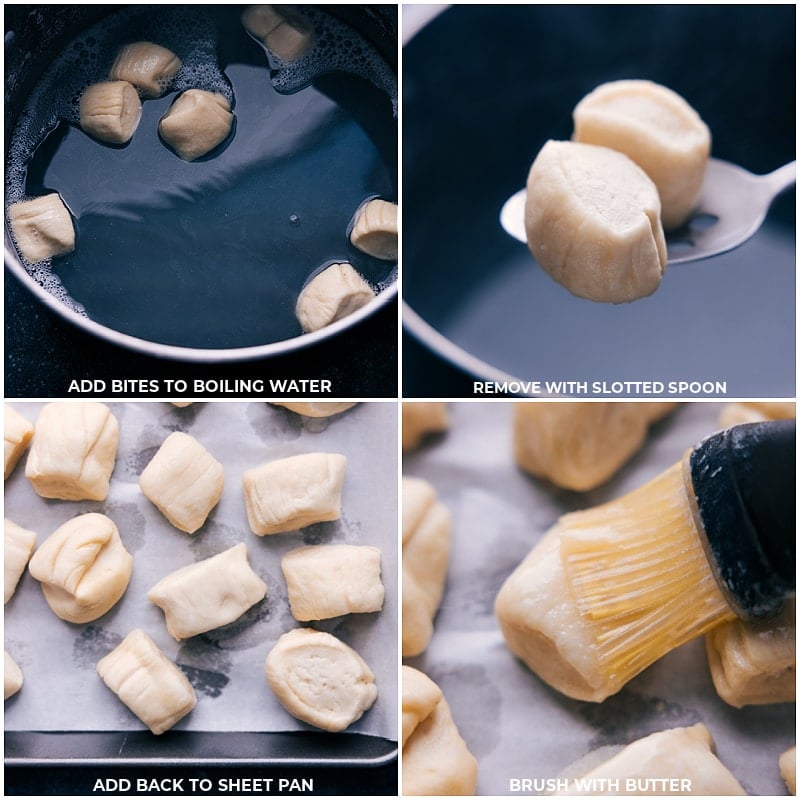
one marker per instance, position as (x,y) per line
(211,253)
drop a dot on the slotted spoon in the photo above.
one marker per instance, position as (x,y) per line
(732,205)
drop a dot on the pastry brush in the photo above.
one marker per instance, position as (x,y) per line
(707,541)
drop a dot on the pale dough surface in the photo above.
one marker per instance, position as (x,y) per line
(17,435)
(325,581)
(148,66)
(196,123)
(294,492)
(581,445)
(788,767)
(110,111)
(422,419)
(83,567)
(73,451)
(677,753)
(436,760)
(319,679)
(333,294)
(18,545)
(209,593)
(184,481)
(316,409)
(657,129)
(42,227)
(374,229)
(143,678)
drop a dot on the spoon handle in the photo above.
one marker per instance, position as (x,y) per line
(781,178)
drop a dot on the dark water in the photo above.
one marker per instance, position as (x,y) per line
(213,253)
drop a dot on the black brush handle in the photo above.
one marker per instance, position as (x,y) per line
(744,483)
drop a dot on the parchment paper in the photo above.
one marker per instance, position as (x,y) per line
(226,666)
(515,725)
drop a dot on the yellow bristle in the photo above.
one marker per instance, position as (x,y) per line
(638,573)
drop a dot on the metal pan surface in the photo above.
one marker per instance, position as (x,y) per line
(484,87)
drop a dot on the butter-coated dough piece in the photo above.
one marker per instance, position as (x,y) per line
(149,684)
(73,451)
(579,445)
(319,679)
(294,492)
(436,760)
(12,676)
(426,553)
(184,481)
(110,111)
(83,567)
(42,227)
(754,663)
(685,755)
(18,545)
(148,66)
(17,435)
(209,593)
(329,580)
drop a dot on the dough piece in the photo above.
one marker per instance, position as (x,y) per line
(83,567)
(422,419)
(287,35)
(148,66)
(18,545)
(110,111)
(754,663)
(374,229)
(208,594)
(436,760)
(679,754)
(42,228)
(12,676)
(17,435)
(656,128)
(149,684)
(196,123)
(316,409)
(592,219)
(419,697)
(319,679)
(293,492)
(325,581)
(543,627)
(788,767)
(178,404)
(73,451)
(579,445)
(739,413)
(426,552)
(333,294)
(184,481)
(260,20)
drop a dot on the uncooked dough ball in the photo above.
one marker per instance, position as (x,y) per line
(426,552)
(42,227)
(333,294)
(422,419)
(83,567)
(325,581)
(18,545)
(579,445)
(754,663)
(319,679)
(184,481)
(684,754)
(374,229)
(294,492)
(149,684)
(656,128)
(73,451)
(148,66)
(436,760)
(209,593)
(17,435)
(12,676)
(110,111)
(787,764)
(592,219)
(316,409)
(196,123)
(544,628)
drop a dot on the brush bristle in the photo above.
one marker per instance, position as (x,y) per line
(638,573)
